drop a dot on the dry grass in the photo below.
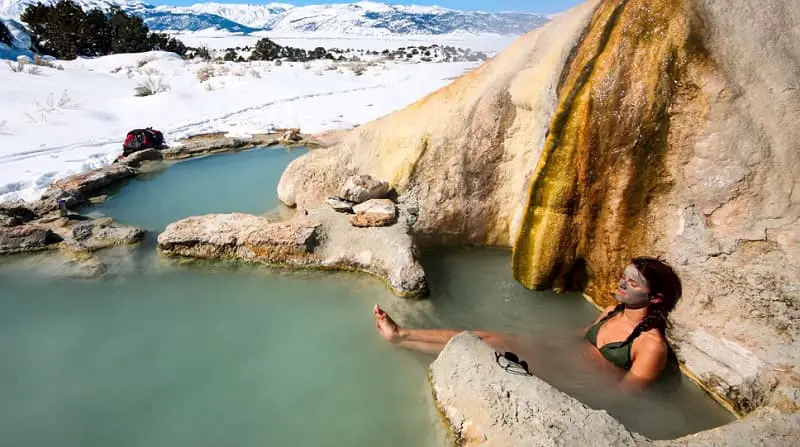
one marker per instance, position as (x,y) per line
(34,66)
(151,85)
(358,69)
(41,62)
(52,103)
(144,61)
(19,67)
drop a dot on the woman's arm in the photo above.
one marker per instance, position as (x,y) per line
(649,360)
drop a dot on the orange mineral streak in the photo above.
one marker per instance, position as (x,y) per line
(602,162)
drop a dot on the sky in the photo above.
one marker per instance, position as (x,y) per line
(543,6)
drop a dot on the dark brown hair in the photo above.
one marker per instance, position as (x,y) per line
(661,280)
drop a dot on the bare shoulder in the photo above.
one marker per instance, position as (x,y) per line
(652,342)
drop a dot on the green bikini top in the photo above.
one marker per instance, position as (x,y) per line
(618,352)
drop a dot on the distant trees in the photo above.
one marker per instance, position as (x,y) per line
(267,50)
(65,31)
(5,34)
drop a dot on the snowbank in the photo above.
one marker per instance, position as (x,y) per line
(59,122)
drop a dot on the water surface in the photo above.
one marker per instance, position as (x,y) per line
(218,354)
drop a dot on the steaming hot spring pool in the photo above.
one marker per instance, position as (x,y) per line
(162,353)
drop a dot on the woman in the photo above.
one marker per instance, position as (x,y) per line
(630,335)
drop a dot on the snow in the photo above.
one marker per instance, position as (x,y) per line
(60,122)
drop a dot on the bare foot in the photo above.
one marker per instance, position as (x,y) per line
(386,326)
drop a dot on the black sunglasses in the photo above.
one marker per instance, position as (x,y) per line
(513,359)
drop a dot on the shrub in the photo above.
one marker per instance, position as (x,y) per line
(358,69)
(162,42)
(42,62)
(150,85)
(201,52)
(18,68)
(266,50)
(205,73)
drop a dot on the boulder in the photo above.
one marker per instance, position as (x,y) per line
(340,205)
(374,213)
(291,136)
(484,405)
(621,128)
(360,188)
(26,238)
(82,231)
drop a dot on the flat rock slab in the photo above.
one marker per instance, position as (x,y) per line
(80,233)
(95,180)
(340,205)
(26,238)
(321,239)
(485,405)
(244,237)
(386,252)
(374,213)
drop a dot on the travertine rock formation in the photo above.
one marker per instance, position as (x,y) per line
(622,128)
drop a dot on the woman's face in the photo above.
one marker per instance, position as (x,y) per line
(632,289)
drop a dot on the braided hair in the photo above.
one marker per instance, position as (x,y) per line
(661,280)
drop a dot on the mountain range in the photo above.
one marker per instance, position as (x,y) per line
(362,18)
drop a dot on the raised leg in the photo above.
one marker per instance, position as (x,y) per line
(431,341)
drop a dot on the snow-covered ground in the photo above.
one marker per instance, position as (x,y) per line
(58,122)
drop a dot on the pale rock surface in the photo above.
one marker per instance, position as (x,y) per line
(487,406)
(484,405)
(465,152)
(374,213)
(322,238)
(725,211)
(241,236)
(361,188)
(26,238)
(340,205)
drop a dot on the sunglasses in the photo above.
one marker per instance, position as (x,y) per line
(513,364)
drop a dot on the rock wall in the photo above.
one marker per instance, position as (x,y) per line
(464,153)
(622,128)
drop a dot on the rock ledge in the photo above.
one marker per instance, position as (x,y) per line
(321,239)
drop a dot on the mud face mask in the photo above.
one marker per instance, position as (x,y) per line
(633,296)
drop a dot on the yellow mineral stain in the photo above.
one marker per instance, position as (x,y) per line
(603,156)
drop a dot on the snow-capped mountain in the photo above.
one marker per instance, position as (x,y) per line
(363,18)
(255,16)
(19,40)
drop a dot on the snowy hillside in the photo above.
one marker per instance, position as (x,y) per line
(60,121)
(363,18)
(254,16)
